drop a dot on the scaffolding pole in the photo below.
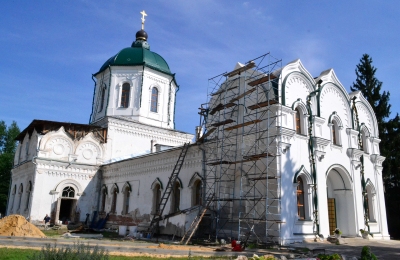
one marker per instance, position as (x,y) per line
(242,124)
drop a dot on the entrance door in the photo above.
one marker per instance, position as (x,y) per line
(332,215)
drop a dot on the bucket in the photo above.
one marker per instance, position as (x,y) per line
(122,230)
(132,230)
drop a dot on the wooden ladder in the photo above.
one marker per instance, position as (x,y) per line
(167,192)
(193,227)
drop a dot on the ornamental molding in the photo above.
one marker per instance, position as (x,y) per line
(318,120)
(331,91)
(355,155)
(377,159)
(287,134)
(319,145)
(59,174)
(155,78)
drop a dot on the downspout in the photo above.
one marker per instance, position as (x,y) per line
(94,93)
(177,89)
(141,89)
(109,89)
(169,100)
(363,184)
(312,157)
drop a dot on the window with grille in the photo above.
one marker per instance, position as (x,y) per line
(125,95)
(298,121)
(68,192)
(154,100)
(300,198)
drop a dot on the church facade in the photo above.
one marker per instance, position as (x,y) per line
(318,155)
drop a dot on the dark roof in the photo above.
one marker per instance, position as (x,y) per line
(43,126)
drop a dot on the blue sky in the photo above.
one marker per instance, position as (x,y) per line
(49,49)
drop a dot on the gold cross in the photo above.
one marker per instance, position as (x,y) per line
(143,15)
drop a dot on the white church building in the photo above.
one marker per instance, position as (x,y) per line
(280,156)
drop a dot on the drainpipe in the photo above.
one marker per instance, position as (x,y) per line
(312,157)
(94,93)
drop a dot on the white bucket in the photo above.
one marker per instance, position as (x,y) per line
(122,230)
(132,230)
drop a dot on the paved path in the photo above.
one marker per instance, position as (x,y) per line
(383,249)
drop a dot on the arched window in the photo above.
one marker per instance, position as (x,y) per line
(156,198)
(335,132)
(127,193)
(176,197)
(103,94)
(28,194)
(125,95)
(364,140)
(68,192)
(197,193)
(103,199)
(20,192)
(298,121)
(154,100)
(114,194)
(300,198)
(13,196)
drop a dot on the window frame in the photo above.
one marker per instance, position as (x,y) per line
(125,95)
(154,100)
(300,195)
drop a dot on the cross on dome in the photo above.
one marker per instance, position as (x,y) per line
(143,13)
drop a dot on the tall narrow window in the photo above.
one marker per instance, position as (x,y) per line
(176,197)
(334,133)
(298,121)
(156,198)
(13,196)
(114,200)
(20,193)
(125,95)
(103,200)
(364,141)
(103,94)
(154,100)
(197,193)
(28,194)
(300,198)
(127,193)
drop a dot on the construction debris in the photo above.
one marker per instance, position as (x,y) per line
(18,226)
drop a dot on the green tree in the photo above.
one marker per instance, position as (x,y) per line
(389,133)
(7,150)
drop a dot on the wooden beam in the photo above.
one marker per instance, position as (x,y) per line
(262,80)
(228,121)
(248,66)
(243,124)
(242,95)
(263,104)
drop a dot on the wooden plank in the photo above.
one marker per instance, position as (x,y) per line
(262,80)
(248,66)
(242,95)
(220,106)
(263,104)
(228,121)
(257,156)
(206,134)
(220,162)
(243,124)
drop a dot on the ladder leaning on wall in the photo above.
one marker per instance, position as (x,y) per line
(164,199)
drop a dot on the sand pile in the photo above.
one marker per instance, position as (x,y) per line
(18,226)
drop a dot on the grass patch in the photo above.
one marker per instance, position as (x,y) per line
(20,254)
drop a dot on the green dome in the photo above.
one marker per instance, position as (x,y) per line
(138,54)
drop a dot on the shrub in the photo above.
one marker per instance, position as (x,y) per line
(329,257)
(78,251)
(366,254)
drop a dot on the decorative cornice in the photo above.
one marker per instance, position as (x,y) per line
(287,134)
(355,155)
(377,159)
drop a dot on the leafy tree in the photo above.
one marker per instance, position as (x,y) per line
(389,133)
(7,150)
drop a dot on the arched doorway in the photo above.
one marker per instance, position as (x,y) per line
(341,208)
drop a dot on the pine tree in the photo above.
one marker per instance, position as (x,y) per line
(7,150)
(389,133)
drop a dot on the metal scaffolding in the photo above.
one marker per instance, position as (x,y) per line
(241,141)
